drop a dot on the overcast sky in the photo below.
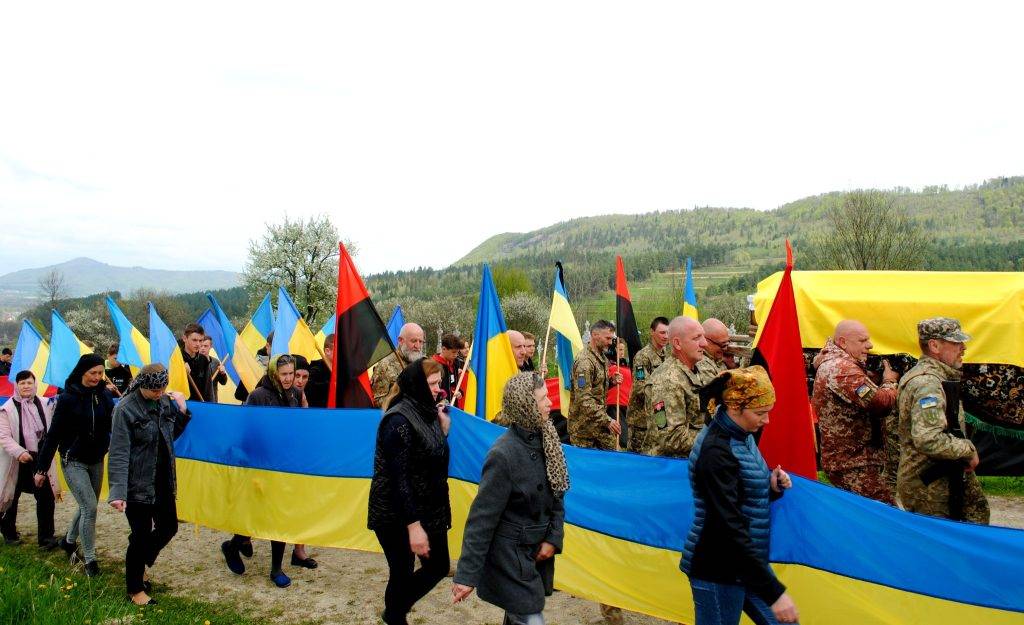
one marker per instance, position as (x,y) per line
(167,137)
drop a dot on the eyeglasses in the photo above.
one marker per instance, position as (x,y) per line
(724,345)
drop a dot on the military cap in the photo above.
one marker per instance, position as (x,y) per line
(942,328)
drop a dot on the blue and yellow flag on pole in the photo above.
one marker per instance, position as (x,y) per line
(133,348)
(291,333)
(491,362)
(255,333)
(326,330)
(395,324)
(219,350)
(30,354)
(163,348)
(568,341)
(65,350)
(237,352)
(689,293)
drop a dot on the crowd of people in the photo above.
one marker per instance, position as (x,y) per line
(685,394)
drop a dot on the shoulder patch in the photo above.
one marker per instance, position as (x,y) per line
(659,406)
(863,390)
(640,374)
(930,401)
(581,382)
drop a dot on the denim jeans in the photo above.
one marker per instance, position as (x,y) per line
(84,482)
(523,619)
(722,604)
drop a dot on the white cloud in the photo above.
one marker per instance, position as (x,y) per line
(167,137)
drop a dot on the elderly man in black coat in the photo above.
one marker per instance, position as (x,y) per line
(514,527)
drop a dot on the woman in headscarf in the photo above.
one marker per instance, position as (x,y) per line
(274,389)
(81,432)
(514,527)
(142,478)
(24,419)
(409,508)
(726,550)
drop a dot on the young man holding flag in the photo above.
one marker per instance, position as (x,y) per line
(644,363)
(589,423)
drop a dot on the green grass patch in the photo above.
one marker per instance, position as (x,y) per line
(1003,486)
(43,589)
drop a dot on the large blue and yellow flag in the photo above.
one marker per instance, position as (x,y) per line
(31,354)
(845,559)
(291,333)
(491,361)
(133,348)
(237,352)
(690,293)
(65,350)
(568,341)
(260,325)
(164,349)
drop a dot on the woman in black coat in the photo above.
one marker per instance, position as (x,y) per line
(274,389)
(80,430)
(143,481)
(409,508)
(514,527)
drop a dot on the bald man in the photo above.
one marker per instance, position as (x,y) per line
(676,415)
(717,335)
(851,409)
(519,349)
(385,372)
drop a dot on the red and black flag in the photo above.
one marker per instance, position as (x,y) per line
(788,438)
(625,322)
(360,339)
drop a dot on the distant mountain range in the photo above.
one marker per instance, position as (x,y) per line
(85,276)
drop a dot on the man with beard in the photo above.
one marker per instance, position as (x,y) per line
(410,348)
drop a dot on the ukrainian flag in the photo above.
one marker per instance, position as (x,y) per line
(689,293)
(219,350)
(31,354)
(291,334)
(241,358)
(845,559)
(568,341)
(328,329)
(395,324)
(491,362)
(133,348)
(255,333)
(164,350)
(65,350)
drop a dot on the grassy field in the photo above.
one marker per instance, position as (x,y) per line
(43,589)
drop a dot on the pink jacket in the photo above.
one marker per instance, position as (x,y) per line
(10,426)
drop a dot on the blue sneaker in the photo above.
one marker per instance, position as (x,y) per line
(231,557)
(280,579)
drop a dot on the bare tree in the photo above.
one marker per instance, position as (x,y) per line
(868,232)
(53,287)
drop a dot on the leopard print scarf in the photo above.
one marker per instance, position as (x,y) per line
(520,407)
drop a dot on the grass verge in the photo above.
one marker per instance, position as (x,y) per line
(43,589)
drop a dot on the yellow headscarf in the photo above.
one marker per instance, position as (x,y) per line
(749,387)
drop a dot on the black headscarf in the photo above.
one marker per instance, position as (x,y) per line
(412,385)
(300,362)
(86,362)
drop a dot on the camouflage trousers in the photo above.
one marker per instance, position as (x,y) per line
(933,499)
(591,434)
(892,449)
(869,481)
(639,442)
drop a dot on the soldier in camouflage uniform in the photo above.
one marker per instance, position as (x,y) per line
(925,438)
(676,414)
(385,372)
(851,411)
(717,335)
(644,363)
(589,423)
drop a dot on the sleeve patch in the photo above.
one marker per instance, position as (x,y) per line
(581,382)
(928,402)
(658,407)
(640,374)
(863,390)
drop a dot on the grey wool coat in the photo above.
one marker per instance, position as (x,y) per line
(515,510)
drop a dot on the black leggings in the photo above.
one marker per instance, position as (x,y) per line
(44,504)
(405,587)
(153,526)
(276,550)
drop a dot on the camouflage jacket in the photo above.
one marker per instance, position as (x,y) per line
(589,390)
(849,405)
(385,373)
(644,363)
(710,368)
(922,408)
(674,405)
